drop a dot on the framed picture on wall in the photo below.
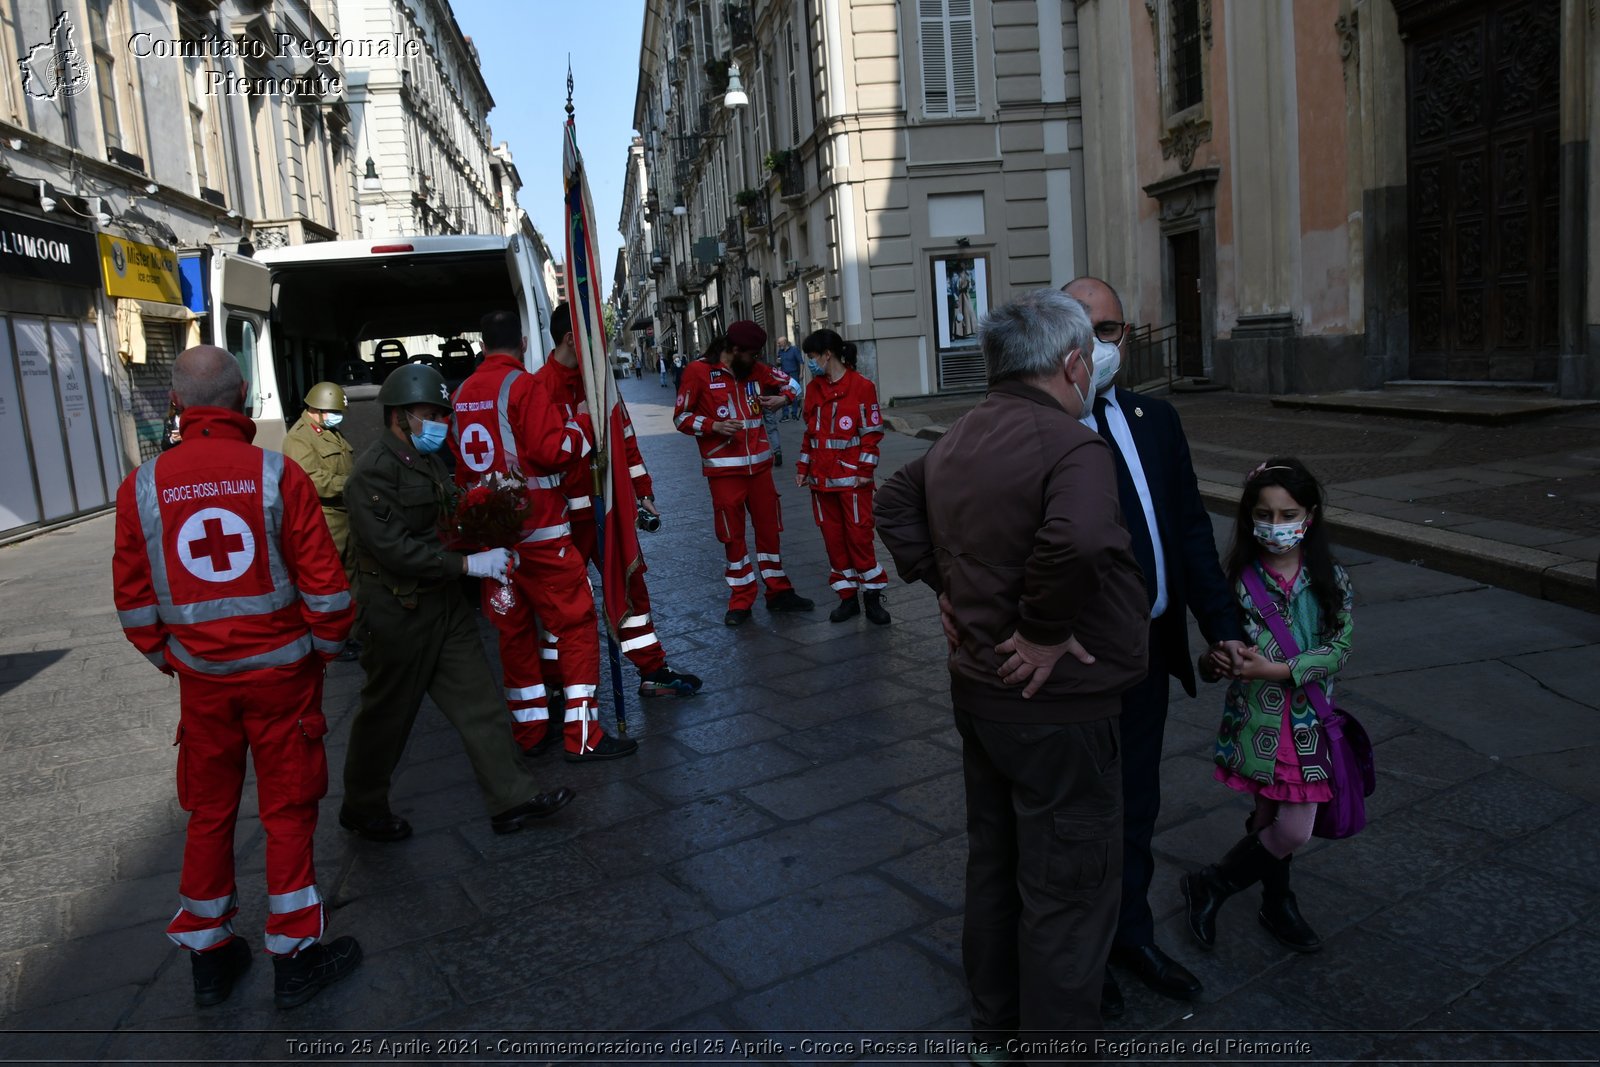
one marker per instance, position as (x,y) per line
(961,295)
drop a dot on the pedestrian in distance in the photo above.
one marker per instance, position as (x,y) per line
(636,634)
(790,361)
(1176,549)
(678,363)
(507,422)
(661,366)
(838,461)
(226,576)
(314,442)
(419,635)
(720,404)
(1271,745)
(1012,518)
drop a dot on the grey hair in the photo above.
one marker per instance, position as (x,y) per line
(1030,337)
(206,376)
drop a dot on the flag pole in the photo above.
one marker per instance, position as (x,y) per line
(601,456)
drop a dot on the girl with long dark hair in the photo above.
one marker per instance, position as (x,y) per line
(838,458)
(1271,744)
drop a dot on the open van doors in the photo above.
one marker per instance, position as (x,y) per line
(241,299)
(527,279)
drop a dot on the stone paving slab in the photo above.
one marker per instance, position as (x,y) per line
(787,849)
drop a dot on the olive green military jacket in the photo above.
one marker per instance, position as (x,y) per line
(396,497)
(328,458)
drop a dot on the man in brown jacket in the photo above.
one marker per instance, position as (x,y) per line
(1012,518)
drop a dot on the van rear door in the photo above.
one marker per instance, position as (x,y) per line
(241,298)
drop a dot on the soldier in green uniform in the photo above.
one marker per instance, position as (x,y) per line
(418,634)
(316,444)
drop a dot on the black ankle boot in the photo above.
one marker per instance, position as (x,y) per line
(848,609)
(875,610)
(1280,913)
(1206,889)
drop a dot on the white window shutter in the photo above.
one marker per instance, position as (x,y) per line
(963,58)
(932,28)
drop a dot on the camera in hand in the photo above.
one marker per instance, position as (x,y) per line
(648,522)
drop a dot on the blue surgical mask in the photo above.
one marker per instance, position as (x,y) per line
(814,367)
(332,419)
(431,439)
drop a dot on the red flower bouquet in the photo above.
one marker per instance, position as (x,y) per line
(489,514)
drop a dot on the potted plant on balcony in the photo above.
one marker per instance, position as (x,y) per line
(753,205)
(777,159)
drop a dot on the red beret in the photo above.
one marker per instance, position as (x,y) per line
(747,335)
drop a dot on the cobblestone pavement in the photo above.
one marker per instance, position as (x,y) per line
(786,851)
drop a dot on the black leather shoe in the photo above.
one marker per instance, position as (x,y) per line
(789,600)
(540,807)
(847,610)
(736,617)
(1111,1004)
(217,970)
(607,747)
(876,614)
(1157,970)
(551,738)
(390,827)
(350,652)
(296,979)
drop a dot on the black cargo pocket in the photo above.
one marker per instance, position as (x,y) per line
(1081,856)
(183,769)
(313,759)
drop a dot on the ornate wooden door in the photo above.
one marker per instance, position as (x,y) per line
(1482,84)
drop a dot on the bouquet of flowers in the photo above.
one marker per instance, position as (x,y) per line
(489,513)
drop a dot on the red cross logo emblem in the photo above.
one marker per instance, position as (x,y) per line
(216,545)
(477,447)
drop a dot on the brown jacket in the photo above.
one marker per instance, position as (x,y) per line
(1013,514)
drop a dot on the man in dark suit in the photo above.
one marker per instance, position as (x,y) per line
(1173,543)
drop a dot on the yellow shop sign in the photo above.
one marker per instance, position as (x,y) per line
(144,272)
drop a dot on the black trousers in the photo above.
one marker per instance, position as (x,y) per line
(1044,818)
(1144,721)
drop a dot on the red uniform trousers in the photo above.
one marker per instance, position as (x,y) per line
(847,530)
(636,637)
(731,496)
(552,592)
(276,714)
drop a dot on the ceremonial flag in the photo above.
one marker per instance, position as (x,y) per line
(616,506)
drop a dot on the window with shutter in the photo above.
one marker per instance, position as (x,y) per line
(794,86)
(947,30)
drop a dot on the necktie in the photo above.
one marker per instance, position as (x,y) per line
(1132,511)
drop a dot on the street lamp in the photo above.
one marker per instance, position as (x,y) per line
(735,96)
(370,182)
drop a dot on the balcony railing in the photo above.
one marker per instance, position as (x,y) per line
(1149,355)
(741,28)
(279,233)
(755,215)
(792,177)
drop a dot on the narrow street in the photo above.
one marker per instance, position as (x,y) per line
(786,852)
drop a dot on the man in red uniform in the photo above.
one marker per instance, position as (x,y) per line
(721,403)
(225,575)
(506,421)
(636,635)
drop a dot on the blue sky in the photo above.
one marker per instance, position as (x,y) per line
(524,47)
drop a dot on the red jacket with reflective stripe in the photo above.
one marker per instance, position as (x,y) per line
(223,561)
(565,385)
(505,418)
(843,430)
(711,392)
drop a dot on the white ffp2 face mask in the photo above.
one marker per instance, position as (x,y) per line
(1107,362)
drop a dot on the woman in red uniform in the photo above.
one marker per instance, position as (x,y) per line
(838,457)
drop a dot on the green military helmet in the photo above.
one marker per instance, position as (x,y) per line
(414,383)
(325,396)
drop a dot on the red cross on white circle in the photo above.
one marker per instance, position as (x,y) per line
(216,545)
(477,447)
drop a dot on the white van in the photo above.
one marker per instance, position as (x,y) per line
(346,311)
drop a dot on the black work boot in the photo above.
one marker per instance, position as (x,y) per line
(789,600)
(298,978)
(217,970)
(1280,913)
(848,609)
(874,608)
(1207,888)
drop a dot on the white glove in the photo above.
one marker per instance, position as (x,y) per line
(495,563)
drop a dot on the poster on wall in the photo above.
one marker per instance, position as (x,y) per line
(18,506)
(961,296)
(77,418)
(44,421)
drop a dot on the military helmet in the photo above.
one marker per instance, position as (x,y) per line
(414,383)
(325,396)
